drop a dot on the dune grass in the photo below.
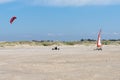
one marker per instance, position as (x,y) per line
(58,43)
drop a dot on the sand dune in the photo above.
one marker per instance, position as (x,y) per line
(69,63)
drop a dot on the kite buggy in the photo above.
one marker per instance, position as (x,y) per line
(99,45)
(56,48)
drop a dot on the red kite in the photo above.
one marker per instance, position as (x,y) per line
(12,19)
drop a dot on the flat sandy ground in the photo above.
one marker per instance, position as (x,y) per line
(69,63)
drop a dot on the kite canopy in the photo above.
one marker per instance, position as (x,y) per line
(12,19)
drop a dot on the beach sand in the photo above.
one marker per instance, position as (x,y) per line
(69,63)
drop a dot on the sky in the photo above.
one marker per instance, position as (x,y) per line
(59,19)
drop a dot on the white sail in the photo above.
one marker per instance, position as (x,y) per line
(99,39)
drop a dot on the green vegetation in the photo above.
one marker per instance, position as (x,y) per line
(86,42)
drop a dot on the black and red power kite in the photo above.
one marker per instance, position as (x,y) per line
(12,19)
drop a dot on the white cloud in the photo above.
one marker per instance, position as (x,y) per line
(54,35)
(74,2)
(51,34)
(116,33)
(66,2)
(5,1)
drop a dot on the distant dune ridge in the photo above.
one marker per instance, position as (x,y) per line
(58,43)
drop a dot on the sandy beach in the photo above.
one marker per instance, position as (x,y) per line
(68,63)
